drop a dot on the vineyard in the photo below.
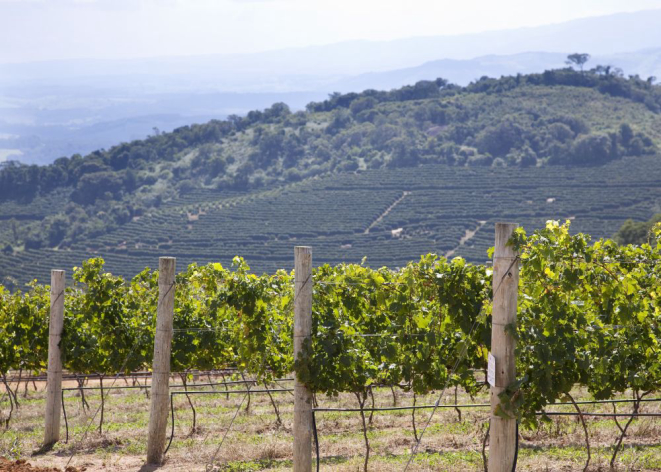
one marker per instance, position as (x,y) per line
(441,209)
(587,334)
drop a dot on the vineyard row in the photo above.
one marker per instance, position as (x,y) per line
(582,313)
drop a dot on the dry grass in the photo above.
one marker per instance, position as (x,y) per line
(255,443)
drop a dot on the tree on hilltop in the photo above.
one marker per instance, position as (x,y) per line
(578,59)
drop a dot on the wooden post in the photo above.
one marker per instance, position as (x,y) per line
(502,440)
(160,391)
(302,333)
(54,376)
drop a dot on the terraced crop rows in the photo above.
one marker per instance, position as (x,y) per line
(332,213)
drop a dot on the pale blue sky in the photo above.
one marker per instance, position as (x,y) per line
(61,29)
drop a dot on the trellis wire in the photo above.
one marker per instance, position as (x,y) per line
(454,368)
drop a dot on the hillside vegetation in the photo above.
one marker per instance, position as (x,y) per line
(432,159)
(637,232)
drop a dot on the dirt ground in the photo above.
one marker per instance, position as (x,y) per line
(256,441)
(23,466)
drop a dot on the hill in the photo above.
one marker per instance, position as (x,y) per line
(387,175)
(55,108)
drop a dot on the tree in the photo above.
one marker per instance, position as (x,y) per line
(362,104)
(603,70)
(626,134)
(57,229)
(498,140)
(94,185)
(592,149)
(637,232)
(578,59)
(14,229)
(404,153)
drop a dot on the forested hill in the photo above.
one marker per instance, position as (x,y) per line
(560,119)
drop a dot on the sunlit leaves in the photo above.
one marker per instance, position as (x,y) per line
(589,314)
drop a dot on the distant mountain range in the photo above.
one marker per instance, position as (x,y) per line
(604,35)
(645,63)
(49,109)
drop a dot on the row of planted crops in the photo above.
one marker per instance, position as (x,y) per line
(589,315)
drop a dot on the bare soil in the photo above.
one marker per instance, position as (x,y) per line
(23,466)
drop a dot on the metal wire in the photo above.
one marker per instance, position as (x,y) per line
(482,405)
(375,335)
(361,284)
(210,464)
(102,400)
(226,392)
(454,368)
(199,330)
(263,363)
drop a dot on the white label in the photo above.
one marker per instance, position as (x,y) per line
(491,370)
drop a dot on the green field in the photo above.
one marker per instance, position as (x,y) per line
(439,208)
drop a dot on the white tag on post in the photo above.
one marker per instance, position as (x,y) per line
(491,370)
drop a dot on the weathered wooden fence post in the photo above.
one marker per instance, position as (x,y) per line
(54,376)
(302,334)
(502,440)
(160,391)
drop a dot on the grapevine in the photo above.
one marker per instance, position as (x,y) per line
(589,315)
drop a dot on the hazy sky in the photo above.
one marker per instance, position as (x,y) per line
(59,29)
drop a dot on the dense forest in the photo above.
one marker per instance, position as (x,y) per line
(556,118)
